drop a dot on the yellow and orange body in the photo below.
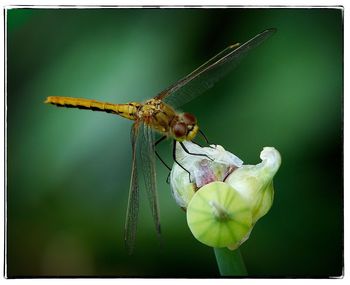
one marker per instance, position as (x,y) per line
(154,113)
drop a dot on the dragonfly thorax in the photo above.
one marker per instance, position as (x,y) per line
(184,127)
(164,119)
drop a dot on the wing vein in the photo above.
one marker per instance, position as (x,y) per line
(132,211)
(205,76)
(149,172)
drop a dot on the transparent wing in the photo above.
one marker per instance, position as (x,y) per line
(132,211)
(210,72)
(147,151)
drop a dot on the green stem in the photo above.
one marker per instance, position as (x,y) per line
(230,262)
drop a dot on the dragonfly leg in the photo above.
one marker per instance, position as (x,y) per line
(178,163)
(203,135)
(168,178)
(157,154)
(160,140)
(199,154)
(167,166)
(205,138)
(197,143)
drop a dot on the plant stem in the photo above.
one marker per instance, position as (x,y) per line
(230,262)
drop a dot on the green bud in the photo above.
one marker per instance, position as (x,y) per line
(218,216)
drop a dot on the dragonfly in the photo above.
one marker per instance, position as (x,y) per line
(159,115)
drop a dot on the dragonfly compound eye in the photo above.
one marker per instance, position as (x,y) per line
(189,119)
(180,130)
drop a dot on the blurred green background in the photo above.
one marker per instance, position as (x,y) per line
(68,170)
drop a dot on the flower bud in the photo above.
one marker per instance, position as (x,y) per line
(223,197)
(218,215)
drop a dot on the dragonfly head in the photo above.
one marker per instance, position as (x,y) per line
(185,127)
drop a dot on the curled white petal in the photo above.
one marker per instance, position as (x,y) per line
(213,163)
(254,182)
(271,158)
(215,152)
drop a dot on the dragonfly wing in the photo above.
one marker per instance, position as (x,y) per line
(210,72)
(147,151)
(132,211)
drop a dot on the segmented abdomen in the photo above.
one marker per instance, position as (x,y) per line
(128,111)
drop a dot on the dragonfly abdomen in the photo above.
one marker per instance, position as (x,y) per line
(127,111)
